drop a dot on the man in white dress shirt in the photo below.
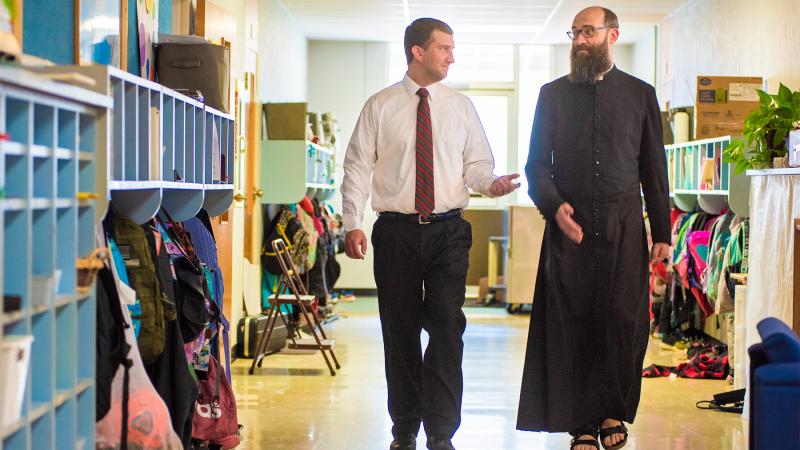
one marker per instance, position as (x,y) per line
(418,145)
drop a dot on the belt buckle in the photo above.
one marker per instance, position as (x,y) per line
(422,221)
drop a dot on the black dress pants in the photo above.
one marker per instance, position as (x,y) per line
(421,272)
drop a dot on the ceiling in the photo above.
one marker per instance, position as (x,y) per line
(483,21)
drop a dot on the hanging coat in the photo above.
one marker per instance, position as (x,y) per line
(593,146)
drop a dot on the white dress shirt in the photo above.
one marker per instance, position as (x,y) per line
(383,147)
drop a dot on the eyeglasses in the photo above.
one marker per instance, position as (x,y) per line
(586,31)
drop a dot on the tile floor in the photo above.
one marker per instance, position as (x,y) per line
(293,403)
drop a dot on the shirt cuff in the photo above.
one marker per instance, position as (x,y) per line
(486,186)
(351,223)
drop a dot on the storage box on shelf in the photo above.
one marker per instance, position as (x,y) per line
(292,169)
(698,177)
(165,149)
(48,157)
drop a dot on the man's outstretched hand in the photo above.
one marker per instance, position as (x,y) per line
(504,185)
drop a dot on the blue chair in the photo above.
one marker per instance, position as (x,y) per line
(775,388)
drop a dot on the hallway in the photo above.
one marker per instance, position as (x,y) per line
(293,403)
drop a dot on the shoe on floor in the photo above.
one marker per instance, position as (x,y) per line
(439,443)
(404,442)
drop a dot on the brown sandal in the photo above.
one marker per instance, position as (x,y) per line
(590,431)
(610,431)
(576,442)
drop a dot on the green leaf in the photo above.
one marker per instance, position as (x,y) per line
(763,97)
(784,112)
(784,95)
(740,167)
(780,137)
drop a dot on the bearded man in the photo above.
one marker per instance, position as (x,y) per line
(596,145)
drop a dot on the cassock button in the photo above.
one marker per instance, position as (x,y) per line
(597,163)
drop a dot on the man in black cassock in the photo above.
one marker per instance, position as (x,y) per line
(596,139)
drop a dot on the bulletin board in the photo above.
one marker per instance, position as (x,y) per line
(99,38)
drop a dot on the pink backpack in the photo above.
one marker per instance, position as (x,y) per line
(697,242)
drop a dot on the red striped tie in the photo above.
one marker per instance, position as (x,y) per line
(424,198)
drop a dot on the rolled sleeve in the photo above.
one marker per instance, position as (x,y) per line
(478,158)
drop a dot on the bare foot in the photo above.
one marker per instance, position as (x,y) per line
(585,437)
(615,438)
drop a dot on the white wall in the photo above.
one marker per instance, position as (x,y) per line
(343,76)
(623,58)
(643,57)
(282,51)
(728,37)
(560,63)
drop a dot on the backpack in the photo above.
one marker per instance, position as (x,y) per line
(140,267)
(111,347)
(202,236)
(215,419)
(284,226)
(189,282)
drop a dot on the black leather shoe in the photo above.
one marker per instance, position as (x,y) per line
(404,442)
(439,443)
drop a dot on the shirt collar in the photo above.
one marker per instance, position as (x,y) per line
(412,87)
(604,74)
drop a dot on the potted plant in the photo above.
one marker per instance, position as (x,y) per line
(765,131)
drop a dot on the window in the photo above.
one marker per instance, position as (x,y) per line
(493,111)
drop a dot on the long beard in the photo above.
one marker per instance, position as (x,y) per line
(586,68)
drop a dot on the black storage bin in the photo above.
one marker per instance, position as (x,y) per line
(202,67)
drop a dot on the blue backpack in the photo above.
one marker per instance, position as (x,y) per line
(205,247)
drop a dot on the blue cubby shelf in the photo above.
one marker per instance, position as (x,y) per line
(699,179)
(156,148)
(49,158)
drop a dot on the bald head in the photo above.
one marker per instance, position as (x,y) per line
(595,15)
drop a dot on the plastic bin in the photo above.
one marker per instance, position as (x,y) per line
(15,352)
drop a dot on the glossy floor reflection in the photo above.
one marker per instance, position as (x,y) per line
(293,402)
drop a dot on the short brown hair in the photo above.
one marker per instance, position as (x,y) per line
(611,20)
(419,33)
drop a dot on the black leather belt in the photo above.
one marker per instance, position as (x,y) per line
(452,214)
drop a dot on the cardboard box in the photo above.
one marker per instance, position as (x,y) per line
(722,104)
(286,121)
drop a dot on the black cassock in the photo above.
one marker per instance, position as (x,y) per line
(592,146)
